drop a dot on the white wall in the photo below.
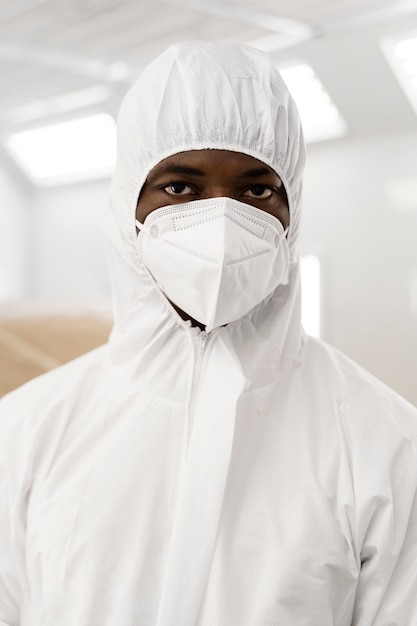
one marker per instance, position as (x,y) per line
(16,234)
(70,259)
(368,249)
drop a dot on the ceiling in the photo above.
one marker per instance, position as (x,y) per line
(62,57)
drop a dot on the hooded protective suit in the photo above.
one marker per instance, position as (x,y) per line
(253,477)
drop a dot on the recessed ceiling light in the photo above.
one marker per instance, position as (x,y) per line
(401,54)
(67,152)
(319,115)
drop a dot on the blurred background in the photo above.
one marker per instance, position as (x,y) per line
(352,68)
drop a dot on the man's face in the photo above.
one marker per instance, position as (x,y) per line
(201,174)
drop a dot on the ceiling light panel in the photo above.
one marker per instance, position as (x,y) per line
(319,115)
(401,54)
(67,152)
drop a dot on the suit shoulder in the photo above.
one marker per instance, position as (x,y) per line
(361,395)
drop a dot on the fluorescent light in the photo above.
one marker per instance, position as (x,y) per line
(311,296)
(320,118)
(67,152)
(401,54)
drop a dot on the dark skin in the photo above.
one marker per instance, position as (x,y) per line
(200,174)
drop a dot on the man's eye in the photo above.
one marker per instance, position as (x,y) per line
(259,191)
(178,189)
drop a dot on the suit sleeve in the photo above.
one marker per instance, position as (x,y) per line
(9,545)
(387,585)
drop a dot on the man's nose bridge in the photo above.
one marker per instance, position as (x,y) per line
(219,190)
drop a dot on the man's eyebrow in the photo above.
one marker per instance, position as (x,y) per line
(174,169)
(257,172)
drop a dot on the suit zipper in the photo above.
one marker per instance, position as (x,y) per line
(200,347)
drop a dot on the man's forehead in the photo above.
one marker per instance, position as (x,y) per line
(200,162)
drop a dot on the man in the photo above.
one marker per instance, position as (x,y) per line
(212,465)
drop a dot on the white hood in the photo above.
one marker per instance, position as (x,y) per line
(194,96)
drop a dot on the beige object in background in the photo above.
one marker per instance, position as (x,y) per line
(30,347)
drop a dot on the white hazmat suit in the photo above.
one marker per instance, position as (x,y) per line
(256,478)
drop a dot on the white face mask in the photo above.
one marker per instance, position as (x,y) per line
(215,259)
